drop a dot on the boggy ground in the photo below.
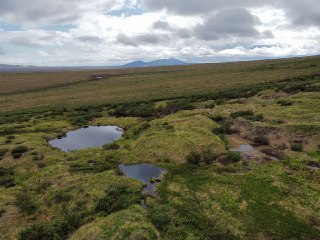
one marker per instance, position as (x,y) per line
(208,192)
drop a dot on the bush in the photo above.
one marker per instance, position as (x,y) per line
(242,114)
(160,216)
(227,127)
(144,126)
(41,164)
(261,140)
(6,177)
(25,202)
(112,146)
(194,157)
(209,156)
(234,156)
(218,131)
(10,137)
(37,157)
(257,118)
(134,110)
(285,103)
(217,118)
(17,155)
(61,196)
(19,149)
(297,147)
(2,211)
(117,198)
(56,229)
(3,151)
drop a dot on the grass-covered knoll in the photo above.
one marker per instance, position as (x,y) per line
(144,85)
(132,223)
(210,190)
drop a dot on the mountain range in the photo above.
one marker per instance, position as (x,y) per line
(135,64)
(156,63)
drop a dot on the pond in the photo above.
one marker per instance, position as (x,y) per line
(145,173)
(247,151)
(244,148)
(93,136)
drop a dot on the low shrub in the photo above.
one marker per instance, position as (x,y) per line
(25,202)
(118,197)
(218,131)
(256,118)
(19,149)
(112,146)
(297,147)
(242,114)
(209,156)
(37,157)
(285,103)
(2,211)
(41,164)
(160,216)
(58,228)
(144,126)
(60,196)
(6,177)
(174,106)
(261,140)
(17,155)
(234,156)
(194,158)
(217,118)
(3,151)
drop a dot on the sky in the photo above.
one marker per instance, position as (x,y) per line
(113,32)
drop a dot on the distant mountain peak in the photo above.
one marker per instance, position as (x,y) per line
(155,63)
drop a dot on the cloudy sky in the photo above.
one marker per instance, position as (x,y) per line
(111,32)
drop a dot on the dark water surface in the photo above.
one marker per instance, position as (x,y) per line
(87,138)
(144,173)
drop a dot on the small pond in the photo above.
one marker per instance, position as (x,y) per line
(144,173)
(244,148)
(87,138)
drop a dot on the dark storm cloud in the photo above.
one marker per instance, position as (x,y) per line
(237,22)
(144,39)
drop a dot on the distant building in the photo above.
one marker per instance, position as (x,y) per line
(96,77)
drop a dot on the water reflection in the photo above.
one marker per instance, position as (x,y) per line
(87,137)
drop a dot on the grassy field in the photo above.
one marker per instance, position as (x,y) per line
(32,90)
(210,189)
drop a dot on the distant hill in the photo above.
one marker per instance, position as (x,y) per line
(156,63)
(135,64)
(10,67)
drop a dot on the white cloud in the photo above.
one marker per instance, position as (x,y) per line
(211,30)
